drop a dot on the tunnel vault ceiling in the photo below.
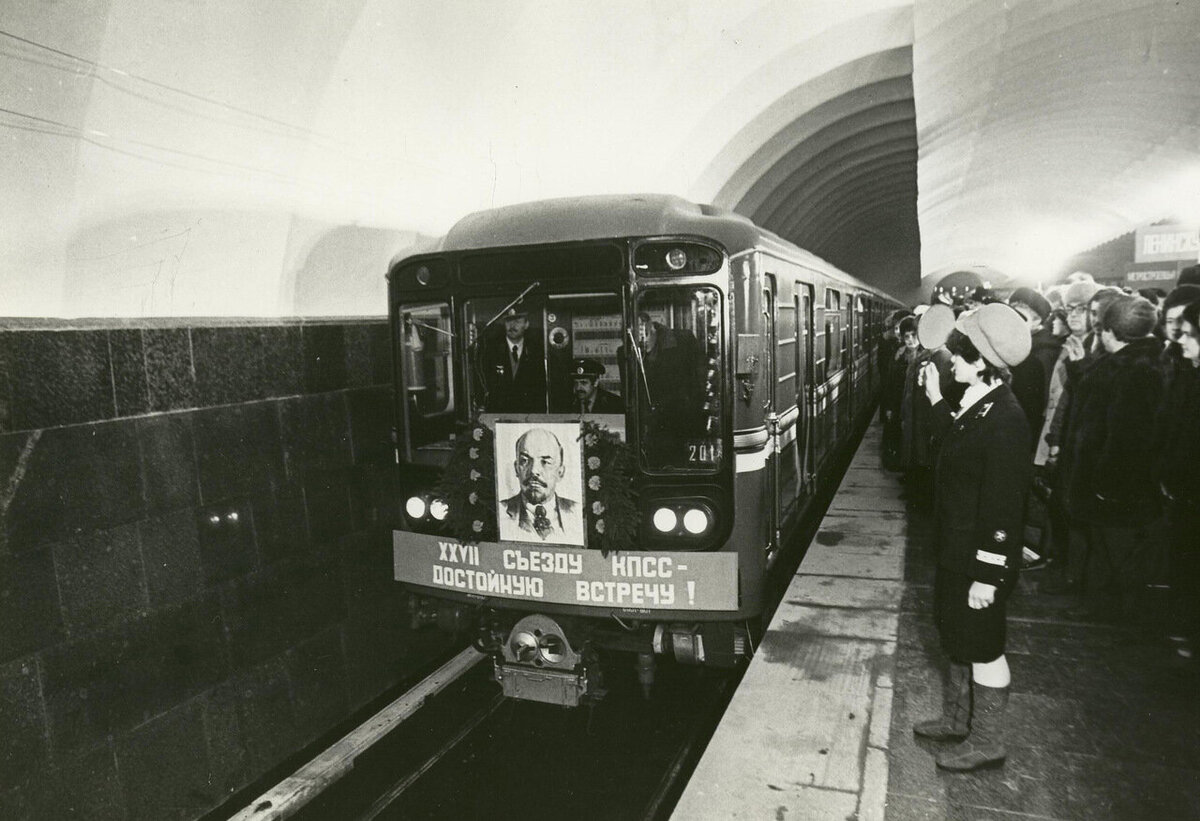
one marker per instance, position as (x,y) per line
(223,158)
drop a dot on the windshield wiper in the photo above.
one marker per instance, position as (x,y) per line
(408,320)
(520,298)
(641,366)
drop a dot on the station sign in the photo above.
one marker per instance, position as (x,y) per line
(630,580)
(1167,243)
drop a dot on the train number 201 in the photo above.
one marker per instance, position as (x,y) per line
(704,451)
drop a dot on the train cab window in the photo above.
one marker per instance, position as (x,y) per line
(676,367)
(426,342)
(525,357)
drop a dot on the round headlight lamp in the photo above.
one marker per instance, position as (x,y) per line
(415,507)
(438,509)
(665,520)
(695,521)
(676,259)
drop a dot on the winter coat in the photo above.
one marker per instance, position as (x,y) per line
(1178,428)
(1031,378)
(1109,474)
(982,478)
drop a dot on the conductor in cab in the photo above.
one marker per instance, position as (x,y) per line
(514,368)
(589,397)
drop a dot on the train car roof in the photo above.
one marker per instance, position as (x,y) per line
(610,216)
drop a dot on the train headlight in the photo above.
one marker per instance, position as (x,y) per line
(665,520)
(676,259)
(438,509)
(415,507)
(695,521)
(524,646)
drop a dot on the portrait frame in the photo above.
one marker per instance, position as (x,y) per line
(566,515)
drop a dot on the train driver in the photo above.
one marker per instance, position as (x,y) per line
(585,386)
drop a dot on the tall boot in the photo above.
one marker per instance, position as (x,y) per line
(953,723)
(984,747)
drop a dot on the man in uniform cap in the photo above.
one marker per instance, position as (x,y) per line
(514,368)
(589,396)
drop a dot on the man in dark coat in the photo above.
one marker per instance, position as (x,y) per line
(1110,477)
(514,368)
(674,376)
(1031,379)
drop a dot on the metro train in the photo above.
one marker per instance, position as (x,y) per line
(733,365)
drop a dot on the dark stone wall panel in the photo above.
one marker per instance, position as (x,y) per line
(238,450)
(368,355)
(165,766)
(60,378)
(317,669)
(83,784)
(170,376)
(228,760)
(315,432)
(372,416)
(78,478)
(101,577)
(168,460)
(23,749)
(280,607)
(6,369)
(281,524)
(328,499)
(113,680)
(245,364)
(227,548)
(30,615)
(130,388)
(171,552)
(324,358)
(267,717)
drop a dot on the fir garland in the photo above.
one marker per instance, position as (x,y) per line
(469,487)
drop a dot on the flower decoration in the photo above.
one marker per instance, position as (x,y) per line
(597,508)
(477,526)
(476,476)
(594,483)
(473,453)
(473,497)
(600,526)
(468,486)
(477,434)
(593,462)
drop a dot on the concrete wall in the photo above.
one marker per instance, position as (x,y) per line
(194,557)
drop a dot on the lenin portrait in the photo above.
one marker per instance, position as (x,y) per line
(539,483)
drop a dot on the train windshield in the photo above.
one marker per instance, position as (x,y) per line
(528,360)
(677,362)
(427,351)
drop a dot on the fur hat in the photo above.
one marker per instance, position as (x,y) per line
(1080,293)
(998,332)
(1129,317)
(1030,297)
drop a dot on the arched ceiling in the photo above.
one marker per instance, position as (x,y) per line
(230,158)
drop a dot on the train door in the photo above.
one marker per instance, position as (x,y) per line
(785,405)
(769,402)
(806,376)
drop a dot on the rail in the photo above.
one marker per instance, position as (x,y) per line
(290,795)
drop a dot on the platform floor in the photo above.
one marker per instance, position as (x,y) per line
(1104,719)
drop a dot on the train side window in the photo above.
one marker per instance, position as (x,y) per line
(426,342)
(833,331)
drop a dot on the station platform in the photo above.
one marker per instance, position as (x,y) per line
(1103,719)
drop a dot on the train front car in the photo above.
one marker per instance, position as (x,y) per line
(566,396)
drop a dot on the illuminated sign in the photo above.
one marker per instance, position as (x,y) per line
(564,575)
(1166,243)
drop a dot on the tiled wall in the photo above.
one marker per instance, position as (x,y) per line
(195,557)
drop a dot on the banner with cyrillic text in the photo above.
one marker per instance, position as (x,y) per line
(565,575)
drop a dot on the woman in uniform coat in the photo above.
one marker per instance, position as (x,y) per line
(982,474)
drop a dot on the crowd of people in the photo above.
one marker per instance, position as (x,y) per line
(1111,393)
(1056,430)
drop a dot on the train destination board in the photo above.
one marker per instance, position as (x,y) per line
(562,575)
